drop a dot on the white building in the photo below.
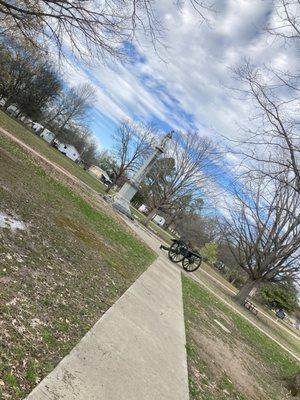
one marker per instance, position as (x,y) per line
(13,110)
(68,150)
(2,102)
(100,174)
(37,127)
(47,135)
(143,208)
(26,120)
(159,220)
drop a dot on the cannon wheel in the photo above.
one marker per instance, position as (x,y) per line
(177,252)
(191,263)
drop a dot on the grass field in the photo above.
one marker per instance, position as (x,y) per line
(73,260)
(160,232)
(228,358)
(222,281)
(58,275)
(269,326)
(38,144)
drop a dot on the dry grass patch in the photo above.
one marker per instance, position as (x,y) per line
(243,364)
(58,275)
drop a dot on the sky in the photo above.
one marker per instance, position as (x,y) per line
(187,84)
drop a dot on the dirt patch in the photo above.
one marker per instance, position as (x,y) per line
(241,365)
(83,234)
(234,362)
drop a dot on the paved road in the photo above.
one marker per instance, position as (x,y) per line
(136,351)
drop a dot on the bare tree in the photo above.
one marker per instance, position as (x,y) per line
(263,232)
(275,141)
(132,143)
(183,210)
(287,22)
(27,78)
(198,229)
(183,172)
(89,153)
(89,27)
(43,87)
(71,106)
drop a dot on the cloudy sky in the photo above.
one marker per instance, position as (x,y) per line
(187,83)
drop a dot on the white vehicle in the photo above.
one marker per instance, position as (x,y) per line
(37,127)
(159,220)
(26,120)
(13,110)
(2,102)
(48,135)
(68,150)
(143,208)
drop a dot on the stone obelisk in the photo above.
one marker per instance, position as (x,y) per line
(121,201)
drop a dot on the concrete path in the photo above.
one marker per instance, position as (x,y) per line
(153,241)
(136,351)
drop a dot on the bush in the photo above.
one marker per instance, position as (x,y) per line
(209,252)
(235,278)
(280,295)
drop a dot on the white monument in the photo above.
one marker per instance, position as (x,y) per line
(121,201)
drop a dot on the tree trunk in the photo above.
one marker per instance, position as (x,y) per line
(150,216)
(248,290)
(115,181)
(169,221)
(107,190)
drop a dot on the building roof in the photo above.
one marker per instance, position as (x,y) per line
(104,173)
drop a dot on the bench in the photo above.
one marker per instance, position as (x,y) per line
(251,307)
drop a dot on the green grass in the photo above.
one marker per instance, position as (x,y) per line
(217,275)
(41,146)
(59,276)
(11,380)
(159,231)
(258,356)
(268,325)
(30,374)
(277,328)
(35,142)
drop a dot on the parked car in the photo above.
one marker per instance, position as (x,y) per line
(280,313)
(219,265)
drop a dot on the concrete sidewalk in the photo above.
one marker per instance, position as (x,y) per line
(136,351)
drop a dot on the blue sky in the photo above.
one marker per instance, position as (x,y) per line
(187,84)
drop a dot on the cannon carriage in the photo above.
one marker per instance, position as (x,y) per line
(180,251)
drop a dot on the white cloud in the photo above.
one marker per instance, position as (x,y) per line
(192,74)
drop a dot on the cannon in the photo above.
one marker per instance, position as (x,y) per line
(180,251)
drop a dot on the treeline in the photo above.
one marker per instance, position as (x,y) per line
(173,187)
(32,85)
(257,255)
